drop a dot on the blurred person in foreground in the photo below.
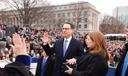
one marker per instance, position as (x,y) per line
(122,67)
(94,61)
(22,63)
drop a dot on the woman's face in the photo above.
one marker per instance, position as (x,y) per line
(89,42)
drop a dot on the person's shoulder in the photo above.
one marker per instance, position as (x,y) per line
(97,56)
(17,68)
(73,39)
(126,46)
(59,40)
(76,41)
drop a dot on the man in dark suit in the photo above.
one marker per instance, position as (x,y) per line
(66,49)
(122,70)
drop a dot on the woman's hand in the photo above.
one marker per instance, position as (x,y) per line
(19,47)
(71,61)
(69,71)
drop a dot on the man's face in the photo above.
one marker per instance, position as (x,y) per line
(67,30)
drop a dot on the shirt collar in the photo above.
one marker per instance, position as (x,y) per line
(69,39)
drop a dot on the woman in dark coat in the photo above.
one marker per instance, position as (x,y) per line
(94,62)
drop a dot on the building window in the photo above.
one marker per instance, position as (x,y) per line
(85,19)
(74,20)
(70,6)
(69,20)
(63,14)
(58,15)
(65,7)
(68,14)
(57,8)
(60,20)
(73,13)
(64,20)
(54,21)
(79,26)
(85,13)
(46,21)
(79,19)
(54,15)
(85,26)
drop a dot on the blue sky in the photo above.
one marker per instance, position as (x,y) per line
(104,6)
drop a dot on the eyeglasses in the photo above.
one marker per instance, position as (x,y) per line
(66,28)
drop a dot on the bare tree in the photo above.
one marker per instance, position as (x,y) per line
(111,25)
(81,13)
(29,12)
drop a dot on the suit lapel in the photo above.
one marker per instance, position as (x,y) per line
(61,48)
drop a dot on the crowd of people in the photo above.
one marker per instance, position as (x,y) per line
(115,48)
(33,40)
(74,59)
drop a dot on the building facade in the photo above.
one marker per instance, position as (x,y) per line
(82,14)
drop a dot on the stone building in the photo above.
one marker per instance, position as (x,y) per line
(82,14)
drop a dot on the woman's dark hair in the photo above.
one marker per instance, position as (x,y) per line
(85,45)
